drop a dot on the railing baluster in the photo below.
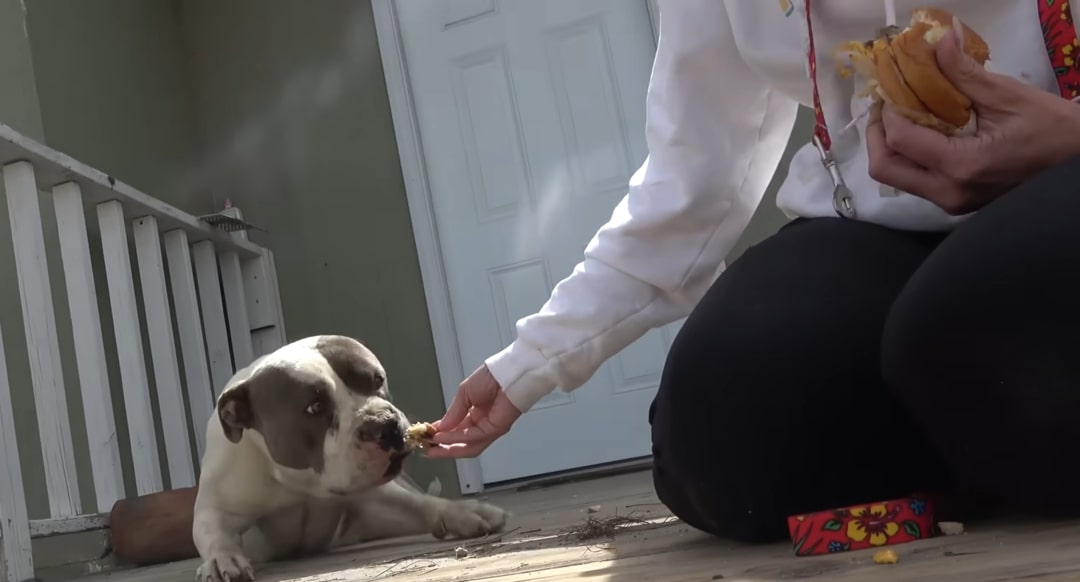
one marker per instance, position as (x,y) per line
(39,322)
(232,279)
(189,326)
(16,555)
(163,351)
(89,345)
(264,306)
(221,288)
(213,314)
(129,348)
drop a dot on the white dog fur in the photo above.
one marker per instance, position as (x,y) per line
(304,454)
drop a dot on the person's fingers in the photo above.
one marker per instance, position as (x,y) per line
(875,113)
(893,168)
(456,451)
(452,428)
(467,435)
(478,390)
(923,146)
(886,166)
(964,72)
(465,424)
(457,411)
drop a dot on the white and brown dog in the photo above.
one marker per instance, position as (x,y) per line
(304,454)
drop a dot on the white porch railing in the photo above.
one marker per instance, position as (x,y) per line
(221,295)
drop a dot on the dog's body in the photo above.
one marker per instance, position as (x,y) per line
(304,454)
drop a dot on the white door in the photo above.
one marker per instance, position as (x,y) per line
(531,115)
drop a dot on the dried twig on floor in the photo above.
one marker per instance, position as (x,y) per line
(595,527)
(398,568)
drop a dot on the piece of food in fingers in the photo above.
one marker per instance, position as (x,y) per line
(902,70)
(419,435)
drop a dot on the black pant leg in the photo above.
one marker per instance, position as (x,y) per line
(983,346)
(772,400)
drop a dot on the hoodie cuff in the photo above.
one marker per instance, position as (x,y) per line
(524,374)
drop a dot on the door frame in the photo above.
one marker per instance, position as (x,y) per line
(422,212)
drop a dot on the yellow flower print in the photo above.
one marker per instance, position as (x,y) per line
(875,522)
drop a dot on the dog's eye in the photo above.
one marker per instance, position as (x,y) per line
(379,381)
(315,408)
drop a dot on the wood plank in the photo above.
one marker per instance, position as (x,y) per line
(129,348)
(163,352)
(213,315)
(39,323)
(16,553)
(89,345)
(541,545)
(55,167)
(232,280)
(190,329)
(43,528)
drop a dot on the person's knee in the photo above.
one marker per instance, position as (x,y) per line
(920,341)
(703,504)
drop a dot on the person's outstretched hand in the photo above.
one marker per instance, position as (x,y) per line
(479,414)
(1021,130)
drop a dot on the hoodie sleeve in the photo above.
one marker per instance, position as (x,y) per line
(715,134)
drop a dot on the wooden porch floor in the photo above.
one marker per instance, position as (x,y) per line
(542,544)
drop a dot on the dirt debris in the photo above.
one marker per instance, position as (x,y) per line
(595,527)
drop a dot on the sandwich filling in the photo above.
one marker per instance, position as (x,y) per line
(901,69)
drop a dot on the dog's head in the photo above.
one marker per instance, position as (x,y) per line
(320,410)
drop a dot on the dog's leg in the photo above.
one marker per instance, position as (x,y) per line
(217,536)
(394,510)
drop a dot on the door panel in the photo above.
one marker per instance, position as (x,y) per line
(532,118)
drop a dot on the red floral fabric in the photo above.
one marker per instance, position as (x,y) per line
(1062,44)
(861,527)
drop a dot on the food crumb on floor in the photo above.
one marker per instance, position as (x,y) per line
(951,528)
(886,557)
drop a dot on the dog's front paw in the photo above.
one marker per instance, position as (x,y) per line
(225,566)
(469,519)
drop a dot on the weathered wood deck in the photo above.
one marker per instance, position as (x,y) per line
(541,545)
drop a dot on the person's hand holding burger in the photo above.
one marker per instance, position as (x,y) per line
(946,129)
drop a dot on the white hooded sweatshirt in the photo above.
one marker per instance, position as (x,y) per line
(726,84)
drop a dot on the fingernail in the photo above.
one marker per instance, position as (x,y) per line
(959,28)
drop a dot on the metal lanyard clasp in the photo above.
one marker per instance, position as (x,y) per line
(842,197)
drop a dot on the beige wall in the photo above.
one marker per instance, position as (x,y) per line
(19,108)
(120,102)
(296,130)
(104,82)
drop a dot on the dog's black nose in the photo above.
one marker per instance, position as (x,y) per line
(387,431)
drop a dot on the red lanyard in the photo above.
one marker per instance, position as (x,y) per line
(1062,46)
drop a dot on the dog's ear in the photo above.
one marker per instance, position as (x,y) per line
(234,410)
